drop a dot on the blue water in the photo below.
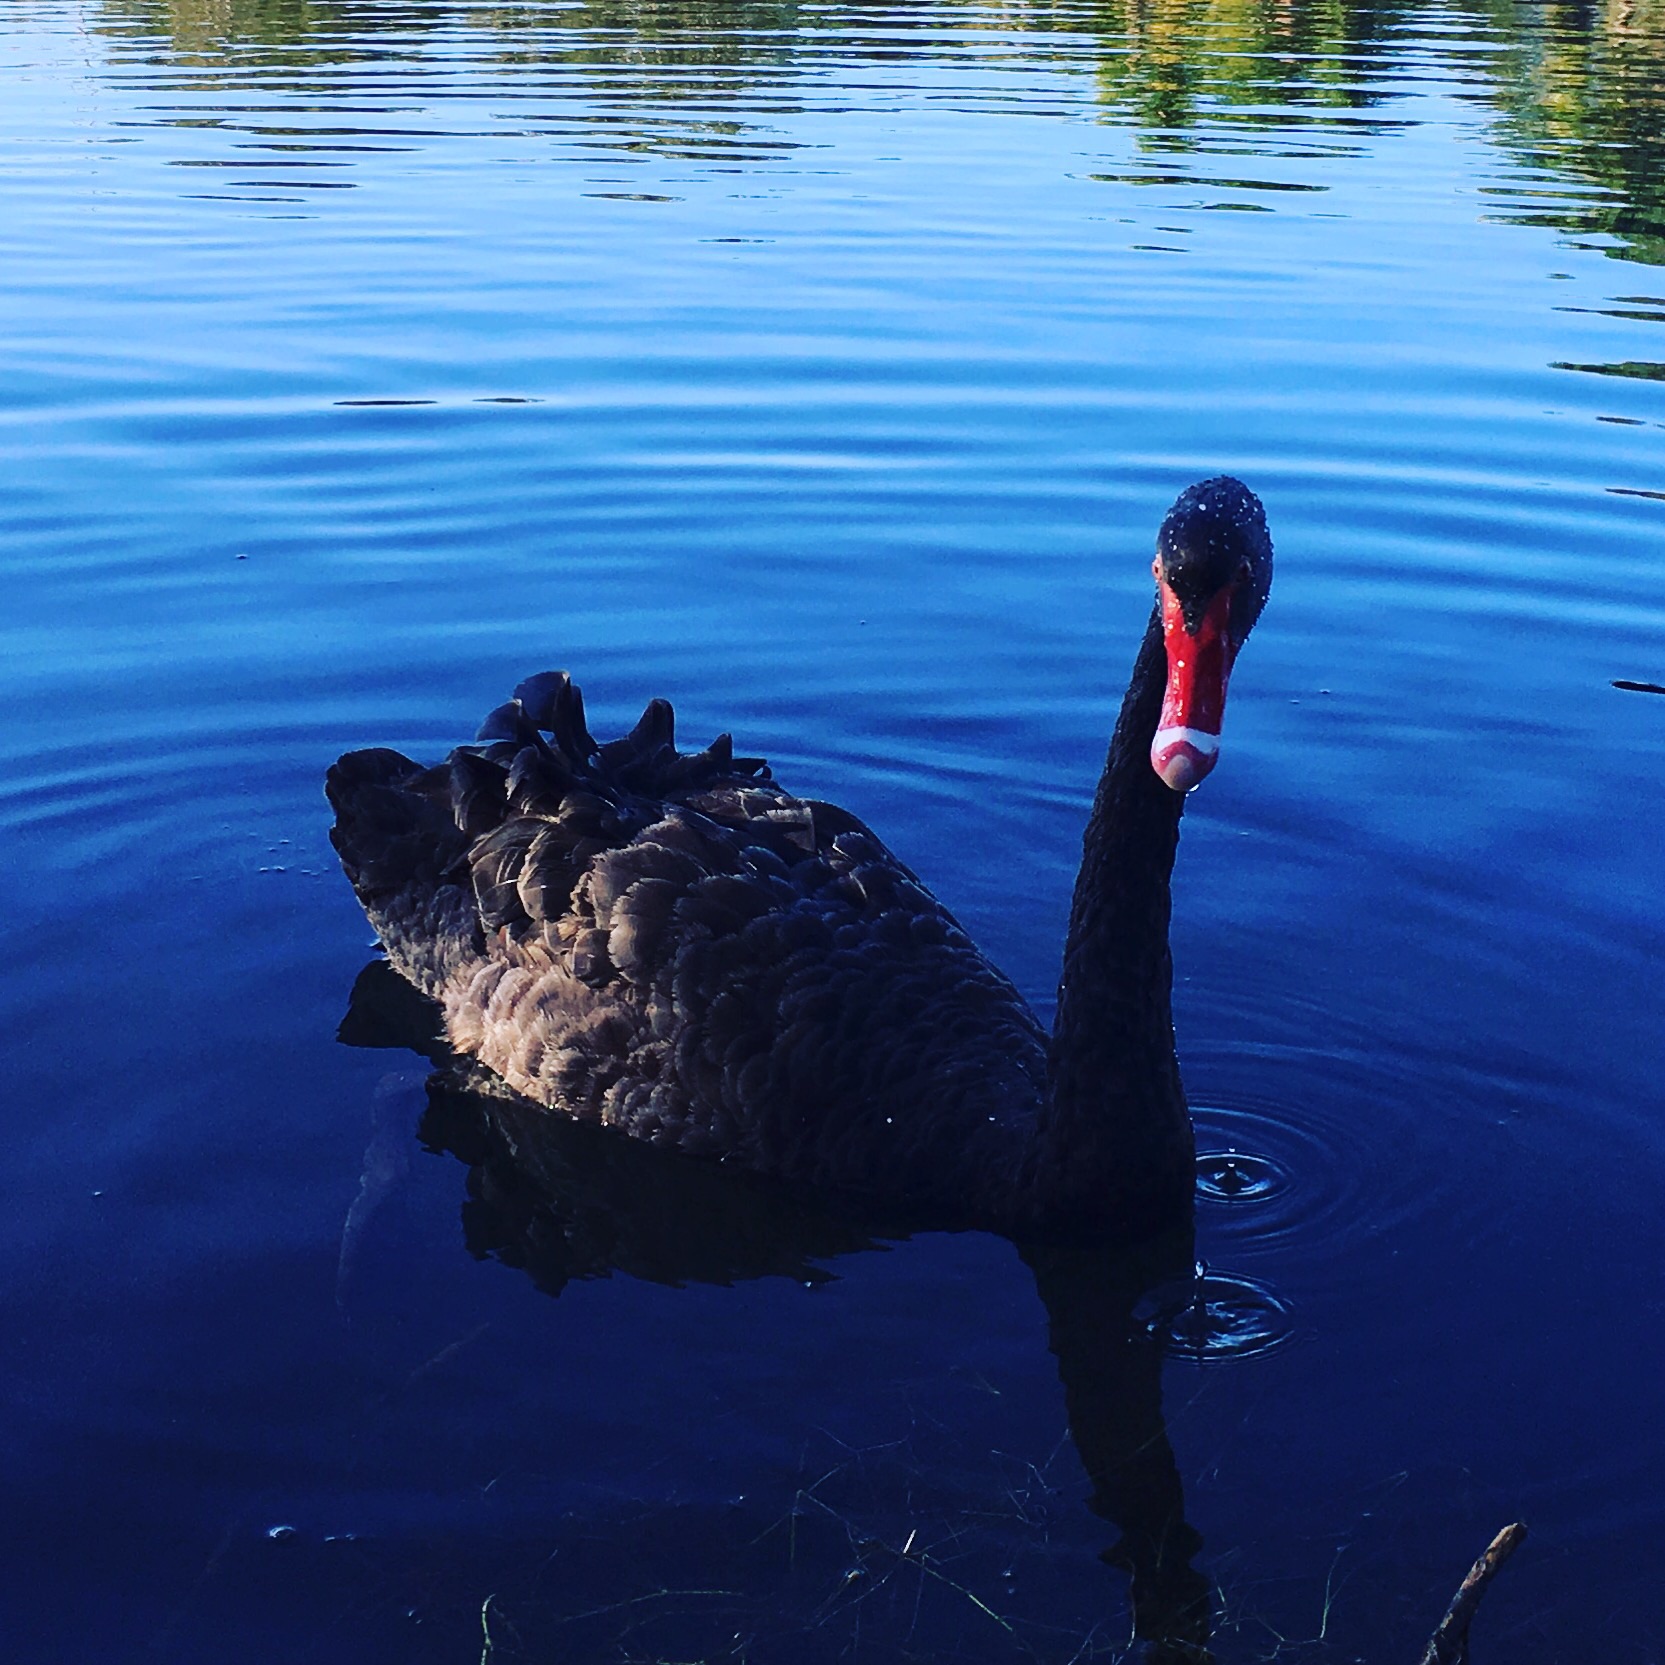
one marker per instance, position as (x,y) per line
(827,369)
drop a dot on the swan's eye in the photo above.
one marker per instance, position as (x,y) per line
(1156,569)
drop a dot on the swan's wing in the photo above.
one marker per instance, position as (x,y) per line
(674,944)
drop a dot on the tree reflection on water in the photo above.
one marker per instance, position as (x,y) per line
(1579,91)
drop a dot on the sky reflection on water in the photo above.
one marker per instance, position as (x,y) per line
(827,369)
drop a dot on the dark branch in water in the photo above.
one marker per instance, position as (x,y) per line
(1638,687)
(1449,1645)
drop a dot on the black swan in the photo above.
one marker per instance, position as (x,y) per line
(673,945)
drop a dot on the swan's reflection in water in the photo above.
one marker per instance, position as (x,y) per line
(562,1201)
(1110,1362)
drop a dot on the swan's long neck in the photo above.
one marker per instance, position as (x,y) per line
(1114,1141)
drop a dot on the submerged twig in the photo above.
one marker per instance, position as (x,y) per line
(445,1355)
(1449,1645)
(1637,687)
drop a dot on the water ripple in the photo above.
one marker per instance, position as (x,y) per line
(1319,1156)
(1216,1316)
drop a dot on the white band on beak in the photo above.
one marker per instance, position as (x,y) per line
(1195,738)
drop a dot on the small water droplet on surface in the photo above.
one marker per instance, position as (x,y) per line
(1231,1176)
(1215,1316)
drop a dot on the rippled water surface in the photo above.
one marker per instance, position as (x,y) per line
(827,369)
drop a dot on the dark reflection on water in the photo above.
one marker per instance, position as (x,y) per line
(827,368)
(561,1201)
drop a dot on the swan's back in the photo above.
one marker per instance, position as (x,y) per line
(674,945)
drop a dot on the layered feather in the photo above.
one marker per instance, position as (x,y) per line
(674,945)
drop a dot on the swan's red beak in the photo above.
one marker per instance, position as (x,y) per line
(1194,704)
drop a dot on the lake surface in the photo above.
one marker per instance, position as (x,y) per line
(827,369)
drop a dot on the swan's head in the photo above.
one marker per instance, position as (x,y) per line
(1213,572)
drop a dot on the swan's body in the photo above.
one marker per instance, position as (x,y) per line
(676,946)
